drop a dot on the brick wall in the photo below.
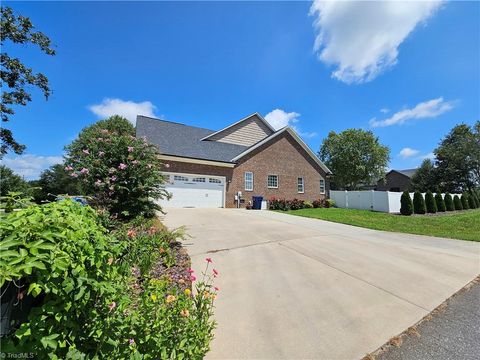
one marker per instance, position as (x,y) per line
(283,157)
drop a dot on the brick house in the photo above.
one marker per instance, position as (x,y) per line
(396,180)
(226,168)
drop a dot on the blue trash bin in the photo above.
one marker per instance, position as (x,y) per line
(257,202)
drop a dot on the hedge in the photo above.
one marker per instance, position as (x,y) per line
(406,204)
(457,203)
(440,202)
(430,203)
(464,200)
(449,202)
(418,203)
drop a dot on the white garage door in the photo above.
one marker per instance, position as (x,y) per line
(201,191)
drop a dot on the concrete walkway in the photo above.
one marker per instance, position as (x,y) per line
(298,288)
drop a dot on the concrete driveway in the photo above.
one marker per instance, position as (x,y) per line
(298,288)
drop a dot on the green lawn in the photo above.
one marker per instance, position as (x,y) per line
(463,225)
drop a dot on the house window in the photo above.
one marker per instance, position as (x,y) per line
(322,186)
(300,185)
(272,181)
(198,179)
(214,181)
(248,181)
(180,178)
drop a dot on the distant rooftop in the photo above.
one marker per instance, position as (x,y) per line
(407,172)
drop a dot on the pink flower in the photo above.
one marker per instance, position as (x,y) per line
(113,178)
(101,153)
(74,175)
(193,277)
(130,148)
(131,342)
(208,260)
(98,183)
(135,162)
(84,171)
(68,168)
(215,273)
(85,151)
(122,166)
(112,306)
(191,271)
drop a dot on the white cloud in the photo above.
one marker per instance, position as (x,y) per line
(430,156)
(384,110)
(361,38)
(408,152)
(127,109)
(279,118)
(426,109)
(30,166)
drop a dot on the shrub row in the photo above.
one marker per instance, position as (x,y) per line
(432,204)
(296,204)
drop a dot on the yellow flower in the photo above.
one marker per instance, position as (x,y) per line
(188,292)
(153,297)
(170,298)
(185,313)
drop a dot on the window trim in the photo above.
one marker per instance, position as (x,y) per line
(303,185)
(273,187)
(324,186)
(245,181)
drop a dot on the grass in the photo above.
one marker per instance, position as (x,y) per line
(464,225)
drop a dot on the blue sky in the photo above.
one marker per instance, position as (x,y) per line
(407,71)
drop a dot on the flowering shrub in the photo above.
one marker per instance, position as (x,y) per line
(120,171)
(90,302)
(296,204)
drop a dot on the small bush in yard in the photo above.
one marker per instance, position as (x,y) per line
(430,203)
(475,198)
(418,203)
(464,200)
(440,202)
(307,205)
(406,204)
(457,203)
(471,201)
(319,203)
(449,202)
(329,203)
(295,204)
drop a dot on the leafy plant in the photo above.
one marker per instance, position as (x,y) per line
(449,202)
(307,205)
(464,200)
(471,201)
(440,202)
(329,203)
(457,203)
(406,204)
(430,203)
(319,203)
(418,203)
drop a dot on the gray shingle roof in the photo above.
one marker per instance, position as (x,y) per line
(407,172)
(183,140)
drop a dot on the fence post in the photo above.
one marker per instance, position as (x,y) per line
(371,199)
(346,199)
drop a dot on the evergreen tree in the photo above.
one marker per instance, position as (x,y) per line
(471,201)
(418,203)
(430,203)
(464,200)
(406,207)
(449,202)
(440,203)
(457,203)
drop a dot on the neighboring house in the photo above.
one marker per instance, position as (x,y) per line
(206,168)
(396,180)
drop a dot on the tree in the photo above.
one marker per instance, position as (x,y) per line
(464,200)
(11,182)
(440,202)
(121,172)
(457,203)
(430,203)
(475,198)
(56,181)
(471,201)
(418,203)
(355,157)
(449,202)
(458,159)
(406,204)
(17,29)
(425,178)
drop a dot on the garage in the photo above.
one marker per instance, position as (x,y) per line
(194,191)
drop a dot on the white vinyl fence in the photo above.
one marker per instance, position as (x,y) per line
(384,201)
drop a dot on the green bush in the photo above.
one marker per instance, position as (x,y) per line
(472,204)
(91,303)
(464,200)
(477,200)
(319,203)
(440,202)
(457,203)
(430,203)
(449,202)
(329,203)
(308,205)
(406,204)
(121,172)
(418,203)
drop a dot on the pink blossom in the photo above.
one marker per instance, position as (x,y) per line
(74,175)
(131,342)
(112,306)
(68,168)
(98,183)
(113,178)
(85,151)
(130,148)
(208,260)
(191,271)
(135,162)
(215,273)
(101,153)
(193,277)
(122,166)
(84,171)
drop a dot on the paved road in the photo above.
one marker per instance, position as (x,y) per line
(298,288)
(451,334)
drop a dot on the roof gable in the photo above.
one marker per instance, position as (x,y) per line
(246,132)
